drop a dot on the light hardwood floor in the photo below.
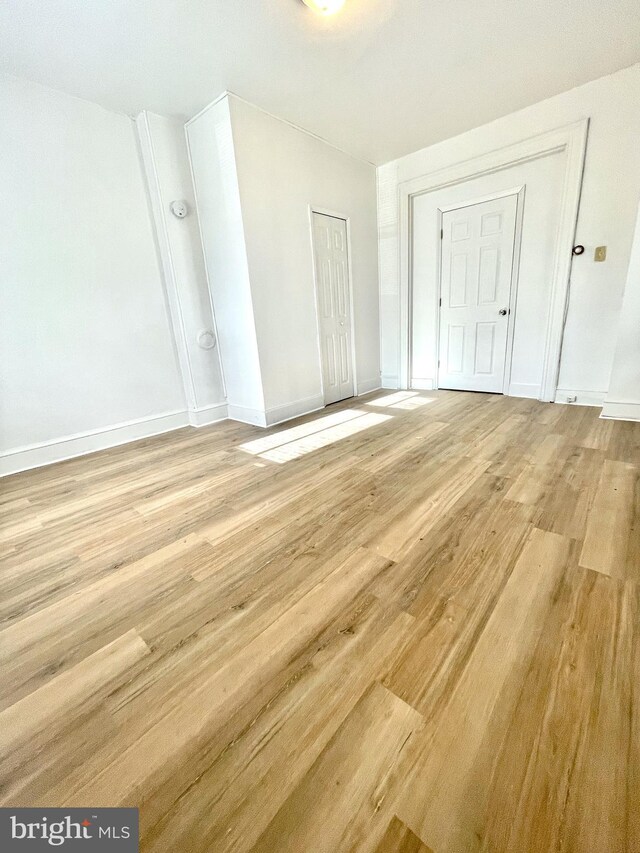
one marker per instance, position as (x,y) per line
(410,622)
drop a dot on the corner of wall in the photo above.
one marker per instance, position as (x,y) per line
(212,157)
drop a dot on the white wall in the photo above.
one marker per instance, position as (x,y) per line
(213,161)
(256,177)
(85,339)
(607,212)
(165,157)
(281,172)
(623,398)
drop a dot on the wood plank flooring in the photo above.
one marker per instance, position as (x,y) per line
(410,622)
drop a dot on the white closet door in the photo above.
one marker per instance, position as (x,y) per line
(334,306)
(477,261)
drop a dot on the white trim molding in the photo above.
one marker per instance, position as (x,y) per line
(422,384)
(165,258)
(368,385)
(275,414)
(81,443)
(583,398)
(295,409)
(620,411)
(208,415)
(523,389)
(571,139)
(247,415)
(389,381)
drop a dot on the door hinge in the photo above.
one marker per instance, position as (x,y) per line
(440,301)
(438,362)
(441,233)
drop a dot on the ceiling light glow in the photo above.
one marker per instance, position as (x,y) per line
(325,7)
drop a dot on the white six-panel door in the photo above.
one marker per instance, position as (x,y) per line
(334,305)
(476,271)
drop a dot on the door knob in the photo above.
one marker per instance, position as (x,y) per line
(502,312)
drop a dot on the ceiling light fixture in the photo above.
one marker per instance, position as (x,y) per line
(325,7)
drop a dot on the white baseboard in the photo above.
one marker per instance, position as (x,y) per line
(523,389)
(246,415)
(621,411)
(208,414)
(390,381)
(81,443)
(288,411)
(422,384)
(583,398)
(275,414)
(368,385)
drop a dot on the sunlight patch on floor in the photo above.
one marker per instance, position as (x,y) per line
(306,444)
(259,445)
(401,400)
(413,403)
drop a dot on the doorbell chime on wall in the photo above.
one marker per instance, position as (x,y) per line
(179,209)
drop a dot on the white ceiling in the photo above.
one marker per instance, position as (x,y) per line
(381,79)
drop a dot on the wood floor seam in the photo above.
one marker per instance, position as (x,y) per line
(421,636)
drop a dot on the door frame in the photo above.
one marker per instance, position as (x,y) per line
(571,139)
(519,192)
(323,211)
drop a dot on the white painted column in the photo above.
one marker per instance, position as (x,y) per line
(166,165)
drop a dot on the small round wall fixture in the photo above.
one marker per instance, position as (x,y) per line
(578,250)
(206,339)
(325,7)
(179,208)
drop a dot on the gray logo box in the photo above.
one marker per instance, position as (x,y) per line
(75,830)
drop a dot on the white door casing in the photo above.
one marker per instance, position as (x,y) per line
(331,260)
(478,243)
(571,140)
